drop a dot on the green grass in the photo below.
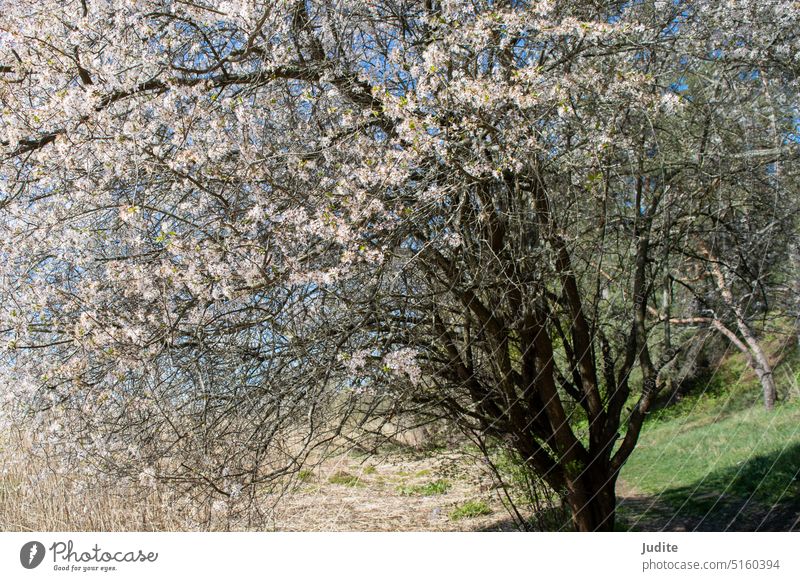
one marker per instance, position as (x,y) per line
(305,475)
(344,479)
(717,442)
(440,486)
(470,509)
(696,461)
(731,388)
(716,455)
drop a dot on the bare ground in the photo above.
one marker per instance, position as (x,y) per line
(391,494)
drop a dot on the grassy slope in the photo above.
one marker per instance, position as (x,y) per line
(719,448)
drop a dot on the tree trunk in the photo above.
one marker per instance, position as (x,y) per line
(592,500)
(756,359)
(752,349)
(763,370)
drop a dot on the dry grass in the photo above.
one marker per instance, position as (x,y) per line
(345,493)
(394,493)
(42,499)
(36,496)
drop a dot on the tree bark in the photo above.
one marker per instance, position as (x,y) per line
(592,499)
(756,357)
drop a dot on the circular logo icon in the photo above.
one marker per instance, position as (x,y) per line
(31,554)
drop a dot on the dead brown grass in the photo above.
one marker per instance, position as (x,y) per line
(35,496)
(392,493)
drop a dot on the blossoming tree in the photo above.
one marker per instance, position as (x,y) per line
(227,225)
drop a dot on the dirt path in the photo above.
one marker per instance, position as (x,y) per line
(394,494)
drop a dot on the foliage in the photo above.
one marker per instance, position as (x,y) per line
(532,504)
(470,509)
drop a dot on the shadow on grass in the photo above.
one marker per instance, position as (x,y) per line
(760,494)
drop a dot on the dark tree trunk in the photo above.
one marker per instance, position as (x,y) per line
(592,500)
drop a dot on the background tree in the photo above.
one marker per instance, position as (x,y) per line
(734,255)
